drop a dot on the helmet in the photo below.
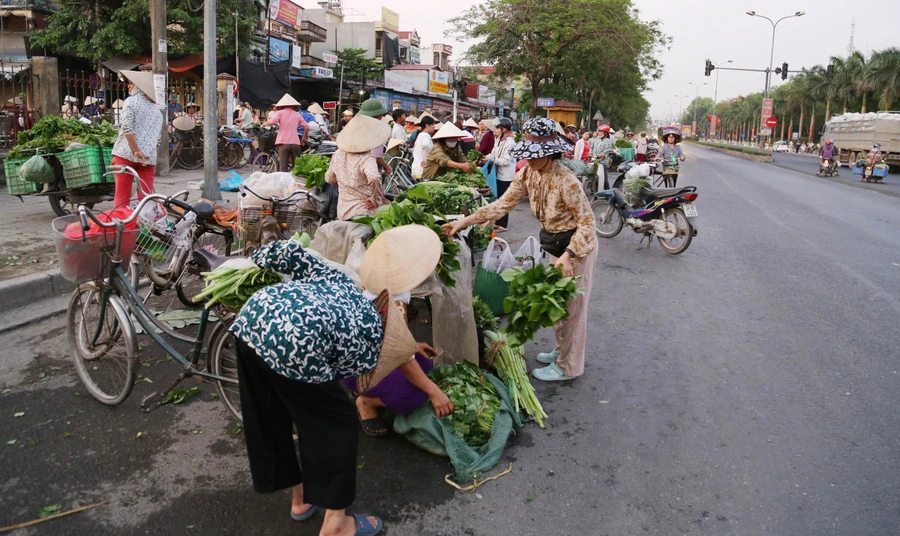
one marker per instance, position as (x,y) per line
(503,122)
(604,128)
(878,146)
(828,142)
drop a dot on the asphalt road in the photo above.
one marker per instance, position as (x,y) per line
(747,387)
(809,164)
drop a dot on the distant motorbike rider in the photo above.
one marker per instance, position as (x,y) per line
(602,145)
(828,153)
(874,157)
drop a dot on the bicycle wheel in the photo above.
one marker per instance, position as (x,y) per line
(223,362)
(245,155)
(265,162)
(173,156)
(191,155)
(103,344)
(190,283)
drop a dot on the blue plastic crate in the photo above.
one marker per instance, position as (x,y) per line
(876,172)
(857,170)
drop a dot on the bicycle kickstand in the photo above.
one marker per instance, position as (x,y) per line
(159,398)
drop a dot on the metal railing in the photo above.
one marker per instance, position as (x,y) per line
(311,61)
(312,31)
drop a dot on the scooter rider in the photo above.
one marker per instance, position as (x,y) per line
(827,153)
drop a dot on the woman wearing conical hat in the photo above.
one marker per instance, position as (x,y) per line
(355,169)
(288,142)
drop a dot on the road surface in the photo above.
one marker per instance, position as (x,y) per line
(746,387)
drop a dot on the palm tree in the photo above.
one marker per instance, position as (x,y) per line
(842,83)
(862,77)
(885,74)
(801,96)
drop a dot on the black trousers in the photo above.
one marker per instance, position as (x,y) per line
(327,428)
(502,187)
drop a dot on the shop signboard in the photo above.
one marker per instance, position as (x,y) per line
(297,57)
(414,55)
(410,104)
(438,82)
(322,72)
(278,50)
(329,105)
(442,106)
(397,81)
(390,20)
(545,102)
(327,57)
(384,97)
(423,103)
(285,12)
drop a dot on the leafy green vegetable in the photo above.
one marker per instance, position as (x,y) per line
(313,167)
(537,298)
(456,176)
(484,317)
(234,287)
(474,155)
(510,365)
(180,395)
(480,237)
(51,510)
(622,143)
(53,132)
(475,402)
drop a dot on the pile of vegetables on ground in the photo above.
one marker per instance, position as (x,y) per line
(232,287)
(313,167)
(408,212)
(474,400)
(54,132)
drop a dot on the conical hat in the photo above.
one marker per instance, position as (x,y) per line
(143,80)
(118,104)
(287,100)
(449,130)
(387,120)
(470,123)
(183,123)
(394,142)
(362,134)
(397,347)
(89,100)
(399,259)
(314,108)
(424,115)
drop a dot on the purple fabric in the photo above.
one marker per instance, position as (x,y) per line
(395,391)
(828,151)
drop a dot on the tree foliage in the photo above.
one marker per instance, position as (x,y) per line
(597,51)
(114,28)
(357,66)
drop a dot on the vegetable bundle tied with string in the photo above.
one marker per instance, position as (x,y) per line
(474,401)
(232,287)
(510,365)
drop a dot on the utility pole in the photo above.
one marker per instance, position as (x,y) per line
(237,58)
(715,118)
(160,69)
(210,105)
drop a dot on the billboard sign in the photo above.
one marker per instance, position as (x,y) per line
(768,109)
(329,105)
(545,102)
(390,20)
(296,57)
(398,82)
(414,55)
(285,12)
(322,72)
(329,58)
(438,82)
(712,125)
(278,50)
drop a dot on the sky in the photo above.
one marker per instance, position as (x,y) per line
(716,29)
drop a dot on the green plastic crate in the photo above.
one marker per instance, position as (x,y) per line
(14,184)
(82,167)
(107,161)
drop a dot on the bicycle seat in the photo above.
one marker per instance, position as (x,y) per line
(657,193)
(208,261)
(204,210)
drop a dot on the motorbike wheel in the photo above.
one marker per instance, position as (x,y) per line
(608,220)
(674,246)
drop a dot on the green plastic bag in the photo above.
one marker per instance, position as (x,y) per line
(36,169)
(425,430)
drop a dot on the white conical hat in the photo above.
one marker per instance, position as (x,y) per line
(424,115)
(449,130)
(399,259)
(143,80)
(394,143)
(287,100)
(118,104)
(89,100)
(314,108)
(470,123)
(362,134)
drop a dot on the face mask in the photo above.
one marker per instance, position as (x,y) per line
(451,144)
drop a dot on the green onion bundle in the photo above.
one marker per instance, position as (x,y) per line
(509,362)
(233,287)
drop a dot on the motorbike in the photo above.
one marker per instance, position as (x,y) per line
(870,172)
(668,214)
(828,168)
(624,167)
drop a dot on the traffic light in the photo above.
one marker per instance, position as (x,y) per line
(709,68)
(784,71)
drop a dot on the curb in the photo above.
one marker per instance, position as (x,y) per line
(25,290)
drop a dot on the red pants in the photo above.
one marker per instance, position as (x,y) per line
(641,157)
(124,181)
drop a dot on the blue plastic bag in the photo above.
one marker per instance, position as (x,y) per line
(490,173)
(231,183)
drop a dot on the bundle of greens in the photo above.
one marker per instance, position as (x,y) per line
(313,167)
(456,176)
(408,212)
(622,143)
(480,237)
(474,155)
(509,362)
(537,298)
(439,197)
(54,132)
(233,287)
(474,400)
(484,317)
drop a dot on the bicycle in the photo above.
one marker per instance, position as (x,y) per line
(400,178)
(287,212)
(266,157)
(233,152)
(103,308)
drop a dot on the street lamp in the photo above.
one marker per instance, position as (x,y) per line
(671,113)
(772,53)
(716,93)
(680,106)
(696,96)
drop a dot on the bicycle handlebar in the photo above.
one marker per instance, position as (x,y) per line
(307,194)
(85,213)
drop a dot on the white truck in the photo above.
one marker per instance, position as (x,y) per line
(855,134)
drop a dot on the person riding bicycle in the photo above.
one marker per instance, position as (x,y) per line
(670,154)
(827,153)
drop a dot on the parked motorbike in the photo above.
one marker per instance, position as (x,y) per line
(668,214)
(624,167)
(828,168)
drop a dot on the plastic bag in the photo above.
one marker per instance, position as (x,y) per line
(578,167)
(266,184)
(153,212)
(490,174)
(231,183)
(36,169)
(638,172)
(497,257)
(73,230)
(529,254)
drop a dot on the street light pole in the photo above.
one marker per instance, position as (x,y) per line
(716,96)
(772,52)
(680,108)
(696,96)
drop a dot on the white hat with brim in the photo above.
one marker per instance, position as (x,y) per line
(449,130)
(470,123)
(70,98)
(362,134)
(314,108)
(424,115)
(118,104)
(184,123)
(400,259)
(348,112)
(398,346)
(188,105)
(394,143)
(143,80)
(89,100)
(287,101)
(387,119)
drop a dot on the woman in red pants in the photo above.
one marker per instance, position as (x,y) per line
(138,141)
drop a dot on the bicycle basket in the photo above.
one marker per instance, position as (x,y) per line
(185,135)
(249,219)
(79,261)
(266,141)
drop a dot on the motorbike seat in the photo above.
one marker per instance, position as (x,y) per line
(657,193)
(204,210)
(208,261)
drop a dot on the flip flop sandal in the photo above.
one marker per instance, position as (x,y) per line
(364,528)
(373,427)
(306,515)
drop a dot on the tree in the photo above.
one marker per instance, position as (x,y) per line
(885,74)
(569,43)
(115,28)
(356,65)
(703,107)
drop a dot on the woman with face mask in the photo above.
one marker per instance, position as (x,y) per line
(446,154)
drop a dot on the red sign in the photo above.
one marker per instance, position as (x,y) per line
(329,105)
(285,12)
(771,122)
(768,110)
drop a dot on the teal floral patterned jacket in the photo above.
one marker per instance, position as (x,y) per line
(316,328)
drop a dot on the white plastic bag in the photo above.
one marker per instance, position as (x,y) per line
(497,257)
(267,185)
(638,172)
(153,212)
(530,253)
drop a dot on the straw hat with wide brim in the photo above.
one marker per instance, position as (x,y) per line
(470,123)
(399,259)
(118,104)
(398,346)
(314,108)
(362,134)
(449,130)
(143,80)
(287,101)
(184,123)
(394,143)
(423,116)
